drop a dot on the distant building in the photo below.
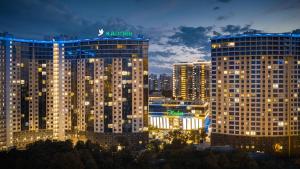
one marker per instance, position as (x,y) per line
(201,81)
(165,85)
(255,92)
(160,84)
(153,83)
(191,81)
(60,89)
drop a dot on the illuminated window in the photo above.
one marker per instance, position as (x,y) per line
(215,46)
(280,123)
(275,86)
(278,147)
(236,99)
(230,44)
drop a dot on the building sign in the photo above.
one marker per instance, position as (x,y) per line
(115,33)
(174,113)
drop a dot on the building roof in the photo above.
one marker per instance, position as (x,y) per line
(72,41)
(256,35)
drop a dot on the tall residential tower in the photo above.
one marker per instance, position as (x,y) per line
(60,89)
(191,81)
(256,92)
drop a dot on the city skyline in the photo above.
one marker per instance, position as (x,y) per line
(213,74)
(178,30)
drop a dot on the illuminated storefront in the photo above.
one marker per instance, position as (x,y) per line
(184,116)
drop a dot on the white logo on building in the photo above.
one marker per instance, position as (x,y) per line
(101,31)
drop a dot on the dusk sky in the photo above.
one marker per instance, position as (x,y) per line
(179,30)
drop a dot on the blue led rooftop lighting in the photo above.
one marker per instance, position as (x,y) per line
(70,41)
(256,35)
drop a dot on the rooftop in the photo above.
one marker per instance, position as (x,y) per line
(256,35)
(72,41)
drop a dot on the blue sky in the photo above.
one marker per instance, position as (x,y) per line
(179,30)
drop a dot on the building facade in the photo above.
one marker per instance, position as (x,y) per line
(96,86)
(165,84)
(169,115)
(255,92)
(153,83)
(191,81)
(160,84)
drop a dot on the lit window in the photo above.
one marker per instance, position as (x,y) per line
(215,46)
(275,86)
(280,123)
(230,44)
(236,99)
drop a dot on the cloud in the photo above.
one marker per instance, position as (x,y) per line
(39,18)
(187,44)
(237,29)
(195,37)
(215,33)
(162,53)
(216,8)
(180,53)
(224,1)
(220,18)
(284,5)
(224,17)
(181,44)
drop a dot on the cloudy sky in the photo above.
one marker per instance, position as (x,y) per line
(179,30)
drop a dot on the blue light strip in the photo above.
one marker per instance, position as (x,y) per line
(256,35)
(69,41)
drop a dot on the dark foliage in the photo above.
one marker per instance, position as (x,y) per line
(63,155)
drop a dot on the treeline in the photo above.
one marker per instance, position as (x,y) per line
(178,155)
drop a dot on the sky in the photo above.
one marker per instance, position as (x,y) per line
(179,30)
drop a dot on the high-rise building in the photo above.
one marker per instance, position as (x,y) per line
(53,89)
(165,83)
(191,81)
(255,92)
(183,81)
(201,81)
(153,83)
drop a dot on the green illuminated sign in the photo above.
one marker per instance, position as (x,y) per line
(174,113)
(115,33)
(121,33)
